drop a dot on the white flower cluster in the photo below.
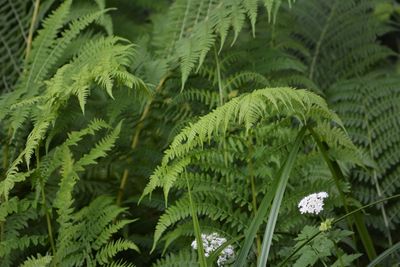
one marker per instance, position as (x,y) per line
(211,243)
(313,203)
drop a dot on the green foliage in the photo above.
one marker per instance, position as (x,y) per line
(15,21)
(184,258)
(370,115)
(39,261)
(321,248)
(192,28)
(120,150)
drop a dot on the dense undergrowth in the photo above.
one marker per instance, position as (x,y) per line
(190,133)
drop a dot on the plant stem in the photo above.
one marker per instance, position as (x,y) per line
(31,29)
(375,178)
(197,230)
(2,223)
(254,195)
(336,174)
(339,176)
(44,203)
(122,187)
(220,86)
(279,191)
(1,231)
(320,40)
(49,227)
(5,156)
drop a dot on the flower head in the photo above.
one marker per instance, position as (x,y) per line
(313,203)
(211,243)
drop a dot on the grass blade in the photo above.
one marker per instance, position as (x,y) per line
(264,207)
(279,192)
(197,231)
(384,255)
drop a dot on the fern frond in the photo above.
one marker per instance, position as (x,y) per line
(193,26)
(75,27)
(182,258)
(38,261)
(369,107)
(64,198)
(94,126)
(13,175)
(100,150)
(20,243)
(112,248)
(120,264)
(246,110)
(13,33)
(41,46)
(215,210)
(108,232)
(241,78)
(340,37)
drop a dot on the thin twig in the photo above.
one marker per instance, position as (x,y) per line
(31,29)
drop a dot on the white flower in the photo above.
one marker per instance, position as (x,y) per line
(313,203)
(211,243)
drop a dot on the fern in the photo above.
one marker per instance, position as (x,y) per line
(283,100)
(370,117)
(184,258)
(39,261)
(16,215)
(111,250)
(275,107)
(15,27)
(193,26)
(101,149)
(339,38)
(63,87)
(92,123)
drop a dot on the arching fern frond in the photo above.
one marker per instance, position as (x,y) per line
(246,110)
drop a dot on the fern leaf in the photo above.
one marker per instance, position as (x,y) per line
(38,261)
(41,46)
(182,258)
(112,248)
(100,149)
(14,31)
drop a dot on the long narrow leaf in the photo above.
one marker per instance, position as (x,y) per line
(265,204)
(197,231)
(279,192)
(384,255)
